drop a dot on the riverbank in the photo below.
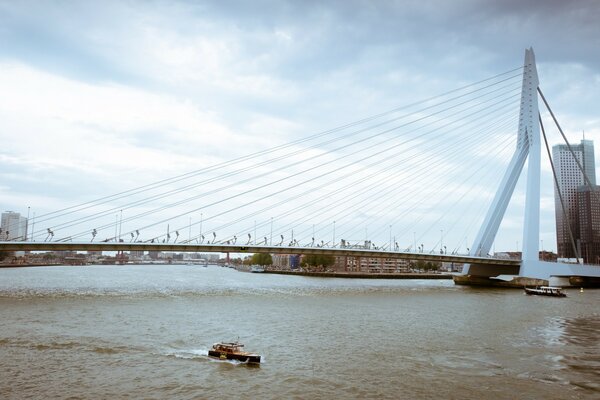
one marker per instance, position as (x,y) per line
(362,275)
(21,265)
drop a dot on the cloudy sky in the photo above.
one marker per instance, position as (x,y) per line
(101,97)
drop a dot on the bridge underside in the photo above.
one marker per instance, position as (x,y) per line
(224,248)
(488,271)
(503,276)
(532,273)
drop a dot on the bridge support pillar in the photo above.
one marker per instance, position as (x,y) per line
(560,281)
(528,145)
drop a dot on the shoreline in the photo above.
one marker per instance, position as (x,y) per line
(345,275)
(29,265)
(362,275)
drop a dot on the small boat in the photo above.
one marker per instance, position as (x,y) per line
(233,351)
(257,268)
(546,291)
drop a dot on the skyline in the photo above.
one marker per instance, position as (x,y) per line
(136,91)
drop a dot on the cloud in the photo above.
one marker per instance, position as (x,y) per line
(121,113)
(142,91)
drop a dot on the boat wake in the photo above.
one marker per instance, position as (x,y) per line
(201,354)
(190,354)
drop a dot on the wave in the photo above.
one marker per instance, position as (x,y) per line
(42,345)
(111,350)
(152,291)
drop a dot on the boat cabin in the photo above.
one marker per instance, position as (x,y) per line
(232,347)
(546,291)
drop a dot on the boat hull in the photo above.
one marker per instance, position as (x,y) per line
(221,355)
(535,292)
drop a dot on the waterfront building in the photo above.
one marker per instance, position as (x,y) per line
(370,264)
(286,261)
(281,261)
(210,257)
(588,204)
(451,267)
(138,255)
(14,226)
(570,178)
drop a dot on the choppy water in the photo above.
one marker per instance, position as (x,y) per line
(144,332)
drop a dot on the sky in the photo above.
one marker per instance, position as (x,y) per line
(100,97)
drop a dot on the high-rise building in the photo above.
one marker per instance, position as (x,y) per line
(14,226)
(588,204)
(570,179)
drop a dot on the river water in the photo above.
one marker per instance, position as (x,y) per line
(129,332)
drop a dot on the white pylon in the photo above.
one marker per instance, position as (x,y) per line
(528,144)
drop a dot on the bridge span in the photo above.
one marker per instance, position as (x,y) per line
(229,248)
(308,191)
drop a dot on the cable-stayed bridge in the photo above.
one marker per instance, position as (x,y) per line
(229,248)
(414,182)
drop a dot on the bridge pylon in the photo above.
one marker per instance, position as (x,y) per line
(528,147)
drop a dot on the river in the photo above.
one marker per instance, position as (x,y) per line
(129,332)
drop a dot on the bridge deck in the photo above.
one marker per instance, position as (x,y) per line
(224,248)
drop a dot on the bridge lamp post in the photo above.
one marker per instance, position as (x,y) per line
(116,225)
(333,243)
(201,225)
(27,233)
(271,238)
(120,224)
(33,227)
(415,241)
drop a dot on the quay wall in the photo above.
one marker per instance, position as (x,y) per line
(362,275)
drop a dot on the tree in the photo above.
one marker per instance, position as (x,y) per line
(248,260)
(317,260)
(262,259)
(427,266)
(49,256)
(5,254)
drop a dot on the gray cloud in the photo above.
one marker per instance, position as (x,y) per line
(326,36)
(276,70)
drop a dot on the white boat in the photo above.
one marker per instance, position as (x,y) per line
(257,268)
(545,291)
